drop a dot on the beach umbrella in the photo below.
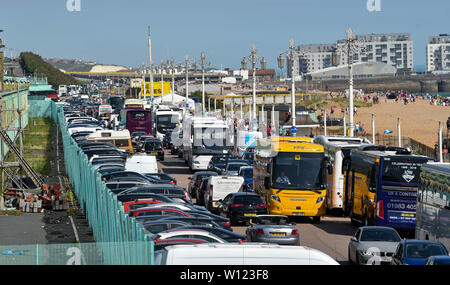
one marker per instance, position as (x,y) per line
(388,131)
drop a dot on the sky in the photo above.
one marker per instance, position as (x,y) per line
(115,31)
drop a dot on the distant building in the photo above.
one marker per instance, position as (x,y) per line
(438,53)
(392,49)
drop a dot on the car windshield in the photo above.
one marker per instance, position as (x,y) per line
(235,166)
(423,250)
(379,235)
(298,171)
(247,172)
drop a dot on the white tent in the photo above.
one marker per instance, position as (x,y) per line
(178,100)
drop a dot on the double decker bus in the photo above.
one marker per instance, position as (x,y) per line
(381,186)
(337,148)
(289,174)
(433,203)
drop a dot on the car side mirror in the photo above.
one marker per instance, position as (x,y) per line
(330,168)
(354,239)
(189,178)
(220,201)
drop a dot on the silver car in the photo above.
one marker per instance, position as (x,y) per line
(272,229)
(373,245)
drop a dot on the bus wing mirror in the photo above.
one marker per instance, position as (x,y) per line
(330,168)
(266,182)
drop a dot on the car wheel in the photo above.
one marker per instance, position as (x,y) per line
(357,259)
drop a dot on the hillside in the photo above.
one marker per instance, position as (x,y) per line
(72,65)
(34,64)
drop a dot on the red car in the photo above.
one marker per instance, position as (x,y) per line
(134,205)
(158,211)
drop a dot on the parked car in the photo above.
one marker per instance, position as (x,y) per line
(120,186)
(125,174)
(219,187)
(416,252)
(196,221)
(222,221)
(155,227)
(367,239)
(163,177)
(159,189)
(438,260)
(140,141)
(189,233)
(157,211)
(135,197)
(227,235)
(139,203)
(161,244)
(241,254)
(195,180)
(241,207)
(105,152)
(142,163)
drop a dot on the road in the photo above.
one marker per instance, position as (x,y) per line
(330,236)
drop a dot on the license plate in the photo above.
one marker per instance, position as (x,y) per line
(278,234)
(216,204)
(249,215)
(298,214)
(154,152)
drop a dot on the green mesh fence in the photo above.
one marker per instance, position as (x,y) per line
(74,254)
(120,239)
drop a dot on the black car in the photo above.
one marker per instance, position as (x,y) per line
(120,186)
(249,156)
(163,177)
(217,163)
(154,147)
(159,189)
(140,141)
(201,190)
(223,222)
(135,197)
(227,235)
(241,206)
(105,152)
(196,179)
(125,174)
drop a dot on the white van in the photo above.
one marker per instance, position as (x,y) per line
(241,254)
(142,163)
(219,187)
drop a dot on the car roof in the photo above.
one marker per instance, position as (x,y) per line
(417,241)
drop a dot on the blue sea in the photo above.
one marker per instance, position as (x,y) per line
(442,94)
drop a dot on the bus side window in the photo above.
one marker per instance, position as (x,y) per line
(373,179)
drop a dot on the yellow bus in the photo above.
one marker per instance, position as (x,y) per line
(120,139)
(289,173)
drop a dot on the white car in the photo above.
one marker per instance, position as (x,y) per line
(241,254)
(185,233)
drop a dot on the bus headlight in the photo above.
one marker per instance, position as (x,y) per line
(276,198)
(320,199)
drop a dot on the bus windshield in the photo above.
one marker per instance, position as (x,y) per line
(298,171)
(402,171)
(166,123)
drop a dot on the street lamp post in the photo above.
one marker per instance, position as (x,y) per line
(186,62)
(292,56)
(172,66)
(253,58)
(350,47)
(203,62)
(162,66)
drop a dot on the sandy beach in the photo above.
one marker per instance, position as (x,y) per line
(419,120)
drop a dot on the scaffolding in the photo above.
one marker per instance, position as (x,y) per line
(20,163)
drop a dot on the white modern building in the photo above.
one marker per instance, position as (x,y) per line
(438,53)
(392,49)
